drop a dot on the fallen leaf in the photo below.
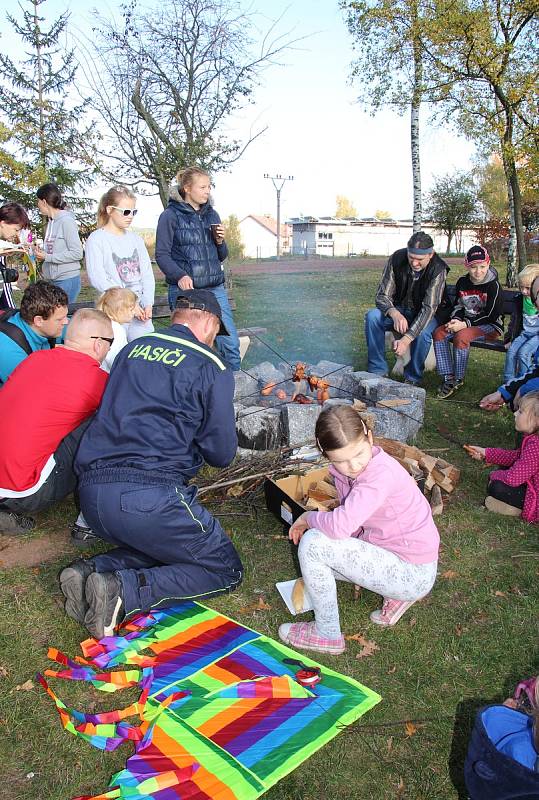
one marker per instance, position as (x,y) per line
(24,687)
(260,606)
(449,574)
(390,744)
(500,594)
(458,630)
(400,789)
(3,671)
(368,647)
(392,669)
(410,728)
(412,622)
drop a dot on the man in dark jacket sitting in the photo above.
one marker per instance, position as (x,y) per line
(407,298)
(167,409)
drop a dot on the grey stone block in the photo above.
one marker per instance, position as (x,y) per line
(351,384)
(337,401)
(246,390)
(266,372)
(259,428)
(393,425)
(298,423)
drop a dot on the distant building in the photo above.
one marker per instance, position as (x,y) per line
(329,236)
(259,236)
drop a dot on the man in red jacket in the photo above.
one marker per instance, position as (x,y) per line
(57,392)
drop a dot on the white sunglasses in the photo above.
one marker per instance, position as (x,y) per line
(126,212)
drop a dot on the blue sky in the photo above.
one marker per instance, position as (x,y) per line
(316,131)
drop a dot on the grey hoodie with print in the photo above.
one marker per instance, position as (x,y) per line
(62,246)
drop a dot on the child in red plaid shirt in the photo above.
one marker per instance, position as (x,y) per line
(514,491)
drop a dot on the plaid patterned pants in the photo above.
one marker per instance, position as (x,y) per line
(454,366)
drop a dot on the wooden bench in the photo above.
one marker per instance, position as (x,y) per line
(161,310)
(510,297)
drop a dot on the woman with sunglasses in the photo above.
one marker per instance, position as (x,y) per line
(117,257)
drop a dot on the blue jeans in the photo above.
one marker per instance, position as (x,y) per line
(71,287)
(376,325)
(228,347)
(519,356)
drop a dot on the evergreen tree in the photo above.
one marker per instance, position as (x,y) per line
(40,138)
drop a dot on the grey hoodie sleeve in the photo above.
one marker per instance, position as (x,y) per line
(67,245)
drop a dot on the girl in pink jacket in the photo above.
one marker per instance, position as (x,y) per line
(514,491)
(381,537)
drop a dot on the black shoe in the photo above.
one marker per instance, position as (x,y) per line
(72,583)
(83,537)
(105,604)
(15,523)
(448,388)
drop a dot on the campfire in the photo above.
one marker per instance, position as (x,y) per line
(279,404)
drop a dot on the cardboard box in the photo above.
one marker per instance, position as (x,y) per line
(284,496)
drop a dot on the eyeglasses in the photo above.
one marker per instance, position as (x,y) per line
(127,212)
(104,338)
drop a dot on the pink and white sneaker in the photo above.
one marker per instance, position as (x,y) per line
(305,636)
(391,611)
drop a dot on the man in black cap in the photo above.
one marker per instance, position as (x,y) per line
(407,299)
(166,411)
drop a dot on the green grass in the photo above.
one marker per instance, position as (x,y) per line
(468,643)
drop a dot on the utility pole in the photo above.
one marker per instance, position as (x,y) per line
(278,181)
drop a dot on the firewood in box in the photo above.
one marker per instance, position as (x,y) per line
(328,488)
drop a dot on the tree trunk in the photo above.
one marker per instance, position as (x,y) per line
(511,274)
(414,127)
(515,198)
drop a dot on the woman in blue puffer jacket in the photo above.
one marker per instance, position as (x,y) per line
(190,256)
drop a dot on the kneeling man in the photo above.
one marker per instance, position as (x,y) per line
(407,299)
(167,409)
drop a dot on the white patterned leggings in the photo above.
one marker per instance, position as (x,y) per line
(324,560)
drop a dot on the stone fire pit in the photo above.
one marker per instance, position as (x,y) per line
(267,422)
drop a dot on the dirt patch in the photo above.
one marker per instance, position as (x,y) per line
(30,551)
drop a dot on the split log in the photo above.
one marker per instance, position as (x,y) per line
(436,502)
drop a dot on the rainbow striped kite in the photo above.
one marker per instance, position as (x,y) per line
(222,716)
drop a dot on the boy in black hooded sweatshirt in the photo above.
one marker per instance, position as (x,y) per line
(476,314)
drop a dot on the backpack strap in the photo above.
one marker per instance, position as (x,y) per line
(13,331)
(16,334)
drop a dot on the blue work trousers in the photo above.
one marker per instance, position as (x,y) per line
(168,547)
(376,325)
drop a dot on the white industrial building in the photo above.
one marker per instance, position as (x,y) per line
(328,236)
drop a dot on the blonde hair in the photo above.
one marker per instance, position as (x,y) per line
(111,198)
(113,301)
(528,274)
(186,176)
(529,404)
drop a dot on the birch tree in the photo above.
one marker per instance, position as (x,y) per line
(389,68)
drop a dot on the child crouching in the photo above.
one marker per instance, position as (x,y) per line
(382,536)
(515,491)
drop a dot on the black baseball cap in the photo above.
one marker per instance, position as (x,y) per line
(202,300)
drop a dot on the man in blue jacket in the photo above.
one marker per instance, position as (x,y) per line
(36,326)
(166,410)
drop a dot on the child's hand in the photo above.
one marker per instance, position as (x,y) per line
(455,325)
(148,310)
(477,453)
(298,528)
(139,312)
